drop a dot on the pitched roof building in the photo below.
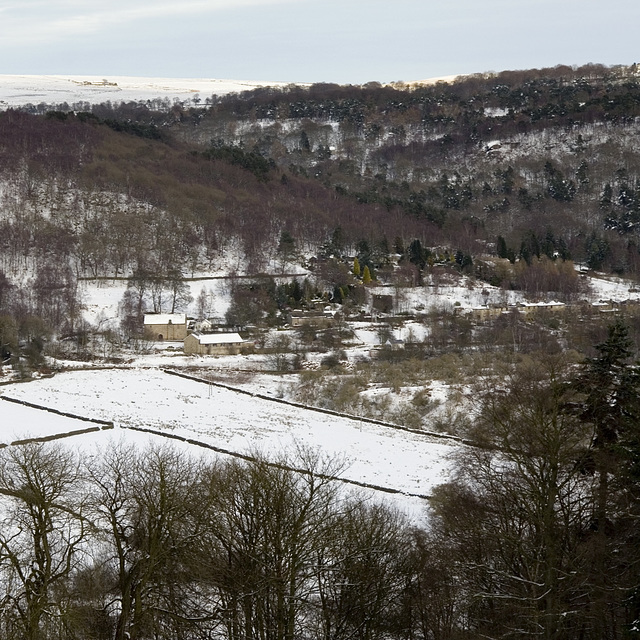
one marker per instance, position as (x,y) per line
(214,344)
(166,326)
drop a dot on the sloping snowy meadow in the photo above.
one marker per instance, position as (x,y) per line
(406,462)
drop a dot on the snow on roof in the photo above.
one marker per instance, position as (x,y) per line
(218,338)
(553,303)
(165,318)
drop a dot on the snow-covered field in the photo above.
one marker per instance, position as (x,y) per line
(605,288)
(20,422)
(149,398)
(18,90)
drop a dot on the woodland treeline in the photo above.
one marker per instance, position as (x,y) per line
(509,153)
(536,536)
(109,202)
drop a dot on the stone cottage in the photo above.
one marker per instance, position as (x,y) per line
(166,326)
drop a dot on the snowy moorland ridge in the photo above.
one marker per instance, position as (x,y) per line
(19,90)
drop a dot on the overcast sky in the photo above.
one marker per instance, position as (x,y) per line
(344,41)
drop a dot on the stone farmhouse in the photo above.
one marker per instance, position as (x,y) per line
(166,326)
(318,319)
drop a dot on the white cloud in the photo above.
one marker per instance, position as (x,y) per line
(46,22)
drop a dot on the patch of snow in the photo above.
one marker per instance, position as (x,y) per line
(605,287)
(495,112)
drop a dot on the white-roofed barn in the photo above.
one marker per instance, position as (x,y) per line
(213,344)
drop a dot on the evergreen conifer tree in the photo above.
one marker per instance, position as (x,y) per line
(501,247)
(610,383)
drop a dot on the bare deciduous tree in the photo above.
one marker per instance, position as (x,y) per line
(150,508)
(43,526)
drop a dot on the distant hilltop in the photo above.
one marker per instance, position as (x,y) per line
(21,90)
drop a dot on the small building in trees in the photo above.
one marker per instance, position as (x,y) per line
(214,344)
(529,308)
(203,326)
(312,318)
(166,326)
